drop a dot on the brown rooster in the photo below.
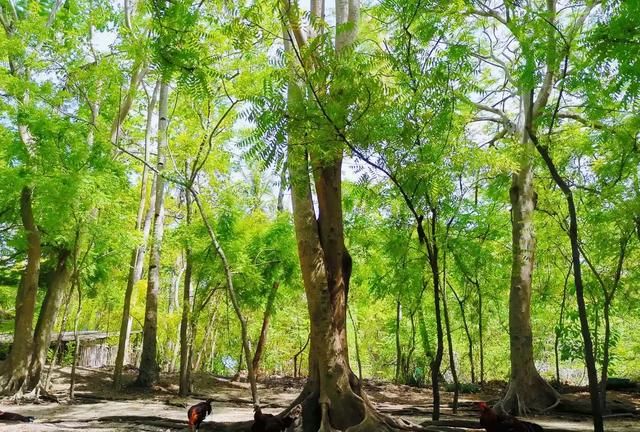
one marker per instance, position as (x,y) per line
(494,422)
(197,413)
(270,423)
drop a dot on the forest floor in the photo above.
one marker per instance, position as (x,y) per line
(98,408)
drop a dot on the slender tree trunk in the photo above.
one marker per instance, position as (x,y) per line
(560,322)
(148,374)
(16,367)
(357,345)
(232,295)
(452,363)
(46,319)
(608,299)
(424,335)
(185,358)
(63,325)
(76,350)
(262,340)
(398,345)
(467,331)
(480,332)
(137,74)
(296,363)
(589,357)
(431,245)
(138,253)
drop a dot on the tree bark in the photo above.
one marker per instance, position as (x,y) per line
(398,346)
(16,366)
(46,319)
(262,340)
(76,350)
(185,357)
(592,373)
(480,332)
(138,253)
(431,245)
(357,344)
(332,398)
(556,342)
(63,326)
(447,323)
(466,331)
(148,374)
(232,295)
(527,390)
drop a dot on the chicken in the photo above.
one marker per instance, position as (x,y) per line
(197,413)
(270,423)
(15,417)
(494,422)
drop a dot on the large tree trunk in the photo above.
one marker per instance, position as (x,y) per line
(148,373)
(332,398)
(262,340)
(527,390)
(15,368)
(46,319)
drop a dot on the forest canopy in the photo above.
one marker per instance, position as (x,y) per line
(432,192)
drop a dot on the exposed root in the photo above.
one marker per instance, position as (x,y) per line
(537,397)
(325,423)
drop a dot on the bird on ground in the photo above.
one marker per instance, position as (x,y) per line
(16,417)
(197,414)
(494,422)
(270,423)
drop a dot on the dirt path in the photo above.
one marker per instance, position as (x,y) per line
(96,400)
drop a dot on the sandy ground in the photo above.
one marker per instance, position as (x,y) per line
(95,400)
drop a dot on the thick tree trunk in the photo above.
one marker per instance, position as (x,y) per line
(332,398)
(527,390)
(262,340)
(15,369)
(46,319)
(138,253)
(148,373)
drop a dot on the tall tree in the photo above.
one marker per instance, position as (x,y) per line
(333,397)
(149,369)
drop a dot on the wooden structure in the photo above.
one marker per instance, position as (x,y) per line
(95,348)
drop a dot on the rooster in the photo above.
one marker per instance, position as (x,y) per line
(494,422)
(197,413)
(15,417)
(270,423)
